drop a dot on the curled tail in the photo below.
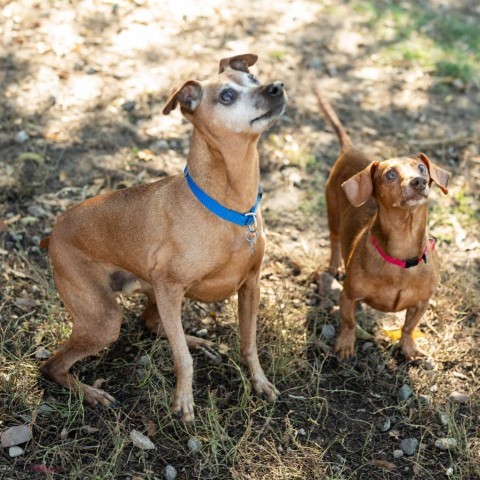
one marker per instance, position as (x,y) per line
(331,117)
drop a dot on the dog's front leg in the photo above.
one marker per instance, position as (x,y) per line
(345,345)
(248,304)
(169,300)
(412,318)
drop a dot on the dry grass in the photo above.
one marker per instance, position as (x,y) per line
(325,425)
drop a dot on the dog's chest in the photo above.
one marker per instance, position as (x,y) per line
(405,290)
(227,274)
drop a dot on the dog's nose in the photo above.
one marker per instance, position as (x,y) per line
(275,89)
(419,183)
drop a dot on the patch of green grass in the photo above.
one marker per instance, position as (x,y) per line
(417,35)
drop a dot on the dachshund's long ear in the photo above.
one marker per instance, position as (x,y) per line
(239,62)
(359,188)
(188,96)
(437,174)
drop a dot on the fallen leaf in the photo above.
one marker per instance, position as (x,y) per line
(362,334)
(3,226)
(395,334)
(41,467)
(382,464)
(25,303)
(89,429)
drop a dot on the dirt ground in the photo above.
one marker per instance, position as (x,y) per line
(82,86)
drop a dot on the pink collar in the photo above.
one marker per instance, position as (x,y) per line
(411,262)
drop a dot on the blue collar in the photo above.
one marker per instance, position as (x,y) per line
(242,219)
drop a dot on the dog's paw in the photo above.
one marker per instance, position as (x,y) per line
(345,346)
(98,398)
(264,389)
(183,406)
(410,349)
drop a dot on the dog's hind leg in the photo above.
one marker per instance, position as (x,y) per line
(96,319)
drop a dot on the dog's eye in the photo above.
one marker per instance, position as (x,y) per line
(253,78)
(391,175)
(227,96)
(422,169)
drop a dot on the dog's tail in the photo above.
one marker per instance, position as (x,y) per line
(331,117)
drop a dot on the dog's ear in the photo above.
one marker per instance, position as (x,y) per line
(359,188)
(188,96)
(437,174)
(239,62)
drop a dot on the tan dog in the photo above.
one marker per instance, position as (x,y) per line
(159,239)
(377,213)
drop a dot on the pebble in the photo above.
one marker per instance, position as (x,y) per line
(446,443)
(15,452)
(409,445)
(384,424)
(194,444)
(129,105)
(15,436)
(404,392)
(367,346)
(144,361)
(42,353)
(170,472)
(424,400)
(37,211)
(328,331)
(458,397)
(44,408)
(140,440)
(159,145)
(398,454)
(21,136)
(443,419)
(202,333)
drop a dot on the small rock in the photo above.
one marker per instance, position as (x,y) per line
(384,424)
(443,419)
(37,211)
(194,444)
(367,346)
(449,471)
(129,106)
(44,408)
(458,397)
(159,145)
(424,400)
(170,472)
(144,361)
(21,136)
(15,436)
(328,331)
(404,392)
(398,454)
(15,452)
(140,440)
(42,353)
(301,432)
(202,333)
(446,443)
(428,365)
(341,459)
(409,445)
(91,70)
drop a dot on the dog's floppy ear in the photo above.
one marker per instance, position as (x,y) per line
(359,188)
(188,96)
(437,174)
(239,62)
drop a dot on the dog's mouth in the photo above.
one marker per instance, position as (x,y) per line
(419,198)
(270,114)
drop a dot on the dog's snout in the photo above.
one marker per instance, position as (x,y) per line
(275,89)
(419,183)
